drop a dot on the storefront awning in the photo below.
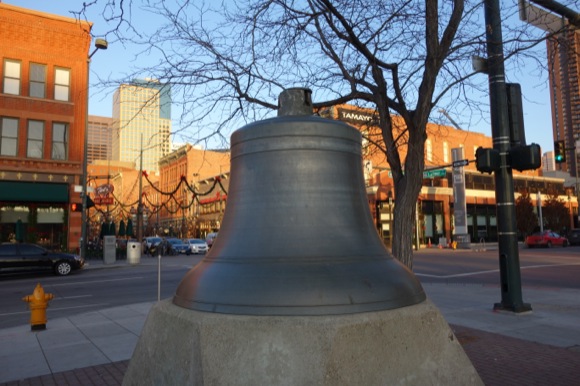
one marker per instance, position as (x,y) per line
(33,191)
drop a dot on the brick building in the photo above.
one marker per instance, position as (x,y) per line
(435,206)
(43,107)
(180,213)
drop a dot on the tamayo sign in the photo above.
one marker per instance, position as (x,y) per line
(359,117)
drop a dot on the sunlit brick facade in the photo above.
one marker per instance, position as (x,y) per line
(43,107)
(183,214)
(434,222)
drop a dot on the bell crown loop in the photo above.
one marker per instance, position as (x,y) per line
(295,101)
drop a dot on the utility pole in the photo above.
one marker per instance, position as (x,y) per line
(140,204)
(100,44)
(510,276)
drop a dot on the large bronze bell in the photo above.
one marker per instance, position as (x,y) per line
(297,237)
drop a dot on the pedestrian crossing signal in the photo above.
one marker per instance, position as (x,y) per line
(74,207)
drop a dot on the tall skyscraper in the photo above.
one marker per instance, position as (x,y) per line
(142,122)
(100,138)
(564,67)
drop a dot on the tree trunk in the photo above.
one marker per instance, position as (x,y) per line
(406,194)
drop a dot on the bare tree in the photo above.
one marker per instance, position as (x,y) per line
(555,214)
(526,219)
(231,59)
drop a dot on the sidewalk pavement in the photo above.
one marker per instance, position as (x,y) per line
(537,348)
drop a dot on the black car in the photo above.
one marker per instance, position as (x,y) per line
(574,236)
(15,256)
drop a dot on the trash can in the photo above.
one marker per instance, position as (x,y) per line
(133,252)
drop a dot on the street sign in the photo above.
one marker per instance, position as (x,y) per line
(434,173)
(103,200)
(460,163)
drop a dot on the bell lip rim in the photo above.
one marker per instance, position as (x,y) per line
(301,310)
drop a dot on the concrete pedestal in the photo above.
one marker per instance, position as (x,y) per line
(404,346)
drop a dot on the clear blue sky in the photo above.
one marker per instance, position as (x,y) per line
(537,111)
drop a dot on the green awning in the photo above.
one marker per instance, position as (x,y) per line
(33,191)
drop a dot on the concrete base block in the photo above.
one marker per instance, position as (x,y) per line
(405,346)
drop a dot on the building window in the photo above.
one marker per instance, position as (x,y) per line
(429,150)
(59,141)
(445,152)
(9,136)
(12,77)
(35,139)
(37,80)
(62,84)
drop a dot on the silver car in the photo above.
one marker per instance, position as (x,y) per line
(197,246)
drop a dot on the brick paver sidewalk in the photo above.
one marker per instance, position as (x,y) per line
(500,361)
(505,361)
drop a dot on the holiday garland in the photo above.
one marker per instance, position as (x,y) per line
(155,208)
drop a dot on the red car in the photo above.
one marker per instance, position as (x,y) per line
(546,239)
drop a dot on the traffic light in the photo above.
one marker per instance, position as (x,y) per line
(74,207)
(559,152)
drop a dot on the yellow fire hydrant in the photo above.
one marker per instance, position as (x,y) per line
(38,302)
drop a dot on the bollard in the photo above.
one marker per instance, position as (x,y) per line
(38,302)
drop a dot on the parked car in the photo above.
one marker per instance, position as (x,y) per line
(197,246)
(574,236)
(149,242)
(209,239)
(14,256)
(178,246)
(546,239)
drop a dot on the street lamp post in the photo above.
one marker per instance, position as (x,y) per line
(100,44)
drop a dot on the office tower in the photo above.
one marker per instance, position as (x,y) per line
(100,138)
(563,72)
(142,123)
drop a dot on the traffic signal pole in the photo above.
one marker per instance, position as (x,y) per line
(509,264)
